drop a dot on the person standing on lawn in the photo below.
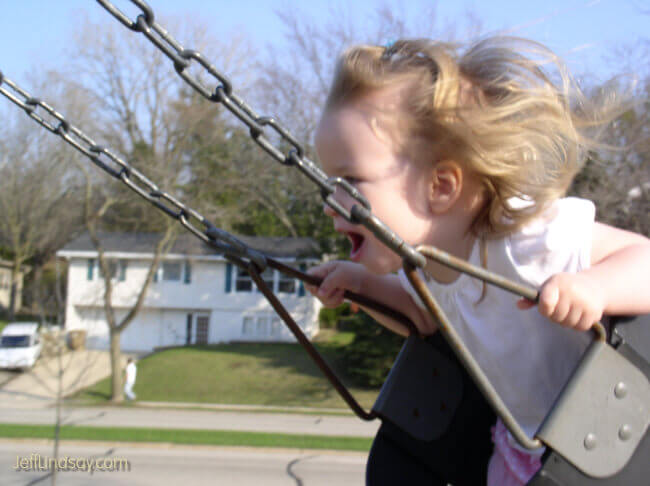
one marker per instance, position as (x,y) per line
(130,372)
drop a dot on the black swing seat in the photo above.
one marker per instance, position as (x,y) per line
(596,433)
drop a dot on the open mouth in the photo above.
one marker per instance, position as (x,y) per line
(356,240)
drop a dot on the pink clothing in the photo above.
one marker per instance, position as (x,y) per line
(510,466)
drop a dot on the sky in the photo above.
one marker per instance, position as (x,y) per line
(34,33)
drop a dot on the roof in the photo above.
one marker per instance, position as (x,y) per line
(19,328)
(188,244)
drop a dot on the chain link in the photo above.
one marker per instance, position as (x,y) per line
(119,169)
(235,251)
(182,58)
(359,213)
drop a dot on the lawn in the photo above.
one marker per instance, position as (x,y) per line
(180,436)
(275,374)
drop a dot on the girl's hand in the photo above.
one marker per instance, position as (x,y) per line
(571,300)
(338,276)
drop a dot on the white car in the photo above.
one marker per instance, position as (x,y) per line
(20,345)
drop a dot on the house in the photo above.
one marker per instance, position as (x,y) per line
(5,285)
(197,297)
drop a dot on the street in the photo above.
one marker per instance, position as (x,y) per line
(27,399)
(195,465)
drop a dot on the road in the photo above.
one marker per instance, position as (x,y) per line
(198,466)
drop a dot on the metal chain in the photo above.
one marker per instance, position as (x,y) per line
(118,168)
(182,58)
(360,213)
(235,251)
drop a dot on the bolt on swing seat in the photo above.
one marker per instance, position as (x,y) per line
(437,416)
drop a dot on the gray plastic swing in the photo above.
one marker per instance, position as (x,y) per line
(596,432)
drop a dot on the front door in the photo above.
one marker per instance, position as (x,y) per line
(202,326)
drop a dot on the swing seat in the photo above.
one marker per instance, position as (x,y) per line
(435,422)
(596,433)
(621,427)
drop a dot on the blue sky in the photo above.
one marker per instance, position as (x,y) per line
(33,33)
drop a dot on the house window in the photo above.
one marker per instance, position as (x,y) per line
(276,327)
(171,271)
(174,271)
(277,282)
(286,284)
(116,270)
(112,269)
(247,327)
(261,326)
(268,278)
(261,329)
(244,283)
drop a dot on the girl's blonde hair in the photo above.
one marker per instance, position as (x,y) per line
(497,109)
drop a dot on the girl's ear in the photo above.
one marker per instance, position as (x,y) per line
(446,186)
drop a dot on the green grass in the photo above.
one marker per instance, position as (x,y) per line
(270,374)
(194,437)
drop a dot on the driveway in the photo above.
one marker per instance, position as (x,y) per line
(7,375)
(73,371)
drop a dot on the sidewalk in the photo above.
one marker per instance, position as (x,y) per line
(158,418)
(245,408)
(30,399)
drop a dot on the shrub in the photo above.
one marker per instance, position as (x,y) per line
(369,357)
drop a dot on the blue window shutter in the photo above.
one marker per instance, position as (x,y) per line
(301,287)
(188,272)
(91,267)
(122,270)
(155,275)
(228,277)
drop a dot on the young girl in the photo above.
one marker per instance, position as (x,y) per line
(472,153)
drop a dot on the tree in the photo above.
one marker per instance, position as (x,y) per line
(618,180)
(142,109)
(38,197)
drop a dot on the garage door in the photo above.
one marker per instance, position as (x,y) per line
(93,322)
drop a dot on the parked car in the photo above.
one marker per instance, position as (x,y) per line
(20,345)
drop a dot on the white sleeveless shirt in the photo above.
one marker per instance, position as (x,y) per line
(527,357)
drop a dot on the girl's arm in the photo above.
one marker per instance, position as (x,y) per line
(621,265)
(618,282)
(339,276)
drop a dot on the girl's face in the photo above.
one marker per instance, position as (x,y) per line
(353,144)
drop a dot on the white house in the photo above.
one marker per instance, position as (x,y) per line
(197,297)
